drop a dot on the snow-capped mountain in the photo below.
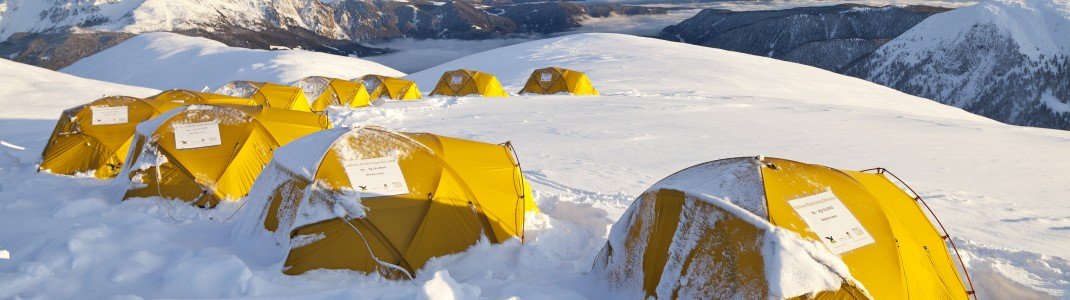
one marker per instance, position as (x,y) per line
(164,60)
(31,30)
(1005,59)
(828,37)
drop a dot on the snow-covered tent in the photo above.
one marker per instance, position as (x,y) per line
(464,82)
(93,139)
(322,92)
(762,228)
(205,154)
(554,80)
(372,200)
(268,94)
(390,87)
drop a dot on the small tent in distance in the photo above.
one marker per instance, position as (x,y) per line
(853,235)
(429,196)
(325,91)
(380,86)
(93,139)
(554,80)
(205,154)
(268,94)
(464,82)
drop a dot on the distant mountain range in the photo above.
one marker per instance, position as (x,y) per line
(56,33)
(1008,60)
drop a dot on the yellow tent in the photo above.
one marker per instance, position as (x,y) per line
(554,80)
(269,94)
(717,229)
(93,139)
(467,82)
(324,92)
(407,197)
(205,153)
(390,87)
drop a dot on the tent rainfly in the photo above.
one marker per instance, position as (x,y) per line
(205,154)
(380,86)
(92,139)
(760,228)
(372,200)
(554,80)
(467,82)
(268,94)
(324,91)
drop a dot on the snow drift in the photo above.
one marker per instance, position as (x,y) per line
(28,92)
(167,61)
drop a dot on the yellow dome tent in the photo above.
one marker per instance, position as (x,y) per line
(553,80)
(269,94)
(407,197)
(324,92)
(721,230)
(93,139)
(390,87)
(467,82)
(204,154)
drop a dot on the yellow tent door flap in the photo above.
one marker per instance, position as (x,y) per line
(323,92)
(468,82)
(93,139)
(205,154)
(421,196)
(699,234)
(554,80)
(380,86)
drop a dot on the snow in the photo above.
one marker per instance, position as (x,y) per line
(1038,27)
(28,92)
(137,16)
(1001,190)
(168,61)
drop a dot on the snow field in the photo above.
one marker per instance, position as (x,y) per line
(665,106)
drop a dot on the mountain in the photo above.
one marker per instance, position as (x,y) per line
(32,31)
(828,37)
(29,92)
(664,106)
(1005,59)
(166,61)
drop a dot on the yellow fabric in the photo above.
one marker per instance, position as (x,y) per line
(281,96)
(390,87)
(459,190)
(560,81)
(926,262)
(205,176)
(336,92)
(906,261)
(727,257)
(76,146)
(471,83)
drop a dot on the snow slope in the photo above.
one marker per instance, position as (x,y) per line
(28,92)
(167,60)
(664,106)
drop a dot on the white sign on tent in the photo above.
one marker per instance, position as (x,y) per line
(832,221)
(197,135)
(376,177)
(109,115)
